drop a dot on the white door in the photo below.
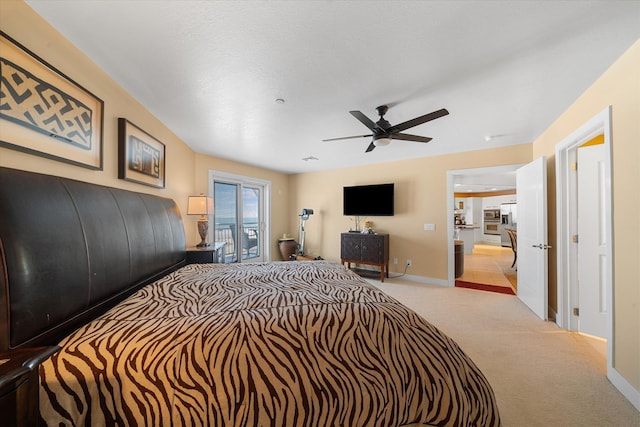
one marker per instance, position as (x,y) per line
(592,242)
(531,187)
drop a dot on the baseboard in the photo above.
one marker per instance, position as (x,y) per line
(372,273)
(624,387)
(422,279)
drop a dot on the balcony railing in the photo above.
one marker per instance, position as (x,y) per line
(250,240)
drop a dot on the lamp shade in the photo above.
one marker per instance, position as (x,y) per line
(200,205)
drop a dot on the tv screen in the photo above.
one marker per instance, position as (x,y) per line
(368,200)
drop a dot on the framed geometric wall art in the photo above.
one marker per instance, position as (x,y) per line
(141,157)
(44,112)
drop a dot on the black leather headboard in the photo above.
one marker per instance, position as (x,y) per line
(70,250)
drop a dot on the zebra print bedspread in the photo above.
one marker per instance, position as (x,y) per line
(271,344)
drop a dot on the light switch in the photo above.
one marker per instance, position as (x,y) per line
(429,227)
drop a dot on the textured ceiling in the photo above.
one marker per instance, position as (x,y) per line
(212,70)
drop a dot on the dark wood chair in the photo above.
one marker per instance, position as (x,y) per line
(513,236)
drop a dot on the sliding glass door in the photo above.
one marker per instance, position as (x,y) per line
(251,220)
(240,217)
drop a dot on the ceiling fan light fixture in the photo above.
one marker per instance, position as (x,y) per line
(381,142)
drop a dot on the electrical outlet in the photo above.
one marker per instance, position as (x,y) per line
(408,263)
(395,260)
(429,227)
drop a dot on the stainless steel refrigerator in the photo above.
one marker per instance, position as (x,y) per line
(508,221)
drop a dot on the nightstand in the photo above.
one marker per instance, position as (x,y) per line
(206,255)
(19,385)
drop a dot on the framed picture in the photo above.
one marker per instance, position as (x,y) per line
(140,156)
(44,112)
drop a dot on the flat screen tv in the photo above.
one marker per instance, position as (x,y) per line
(368,200)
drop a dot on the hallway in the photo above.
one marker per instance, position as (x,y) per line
(490,265)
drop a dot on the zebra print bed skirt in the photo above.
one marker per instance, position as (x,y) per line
(271,344)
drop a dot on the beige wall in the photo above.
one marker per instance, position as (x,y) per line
(619,87)
(421,197)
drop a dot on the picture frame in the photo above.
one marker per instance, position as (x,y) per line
(44,112)
(141,157)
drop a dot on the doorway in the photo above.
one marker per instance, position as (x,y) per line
(241,216)
(491,265)
(487,261)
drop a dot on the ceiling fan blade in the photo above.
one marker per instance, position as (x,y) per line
(347,137)
(409,137)
(370,147)
(419,120)
(364,120)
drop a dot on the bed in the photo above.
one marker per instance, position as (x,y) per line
(277,343)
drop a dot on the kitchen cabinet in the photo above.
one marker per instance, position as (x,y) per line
(493,239)
(467,235)
(472,210)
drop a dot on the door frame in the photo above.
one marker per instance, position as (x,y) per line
(566,219)
(265,226)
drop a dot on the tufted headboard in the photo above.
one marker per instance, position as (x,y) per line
(70,250)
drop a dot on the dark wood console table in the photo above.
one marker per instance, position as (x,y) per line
(368,249)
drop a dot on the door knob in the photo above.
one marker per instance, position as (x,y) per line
(541,246)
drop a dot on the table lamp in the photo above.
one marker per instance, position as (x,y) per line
(203,206)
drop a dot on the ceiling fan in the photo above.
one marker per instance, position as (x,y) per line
(384,132)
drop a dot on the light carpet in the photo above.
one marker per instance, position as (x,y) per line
(541,375)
